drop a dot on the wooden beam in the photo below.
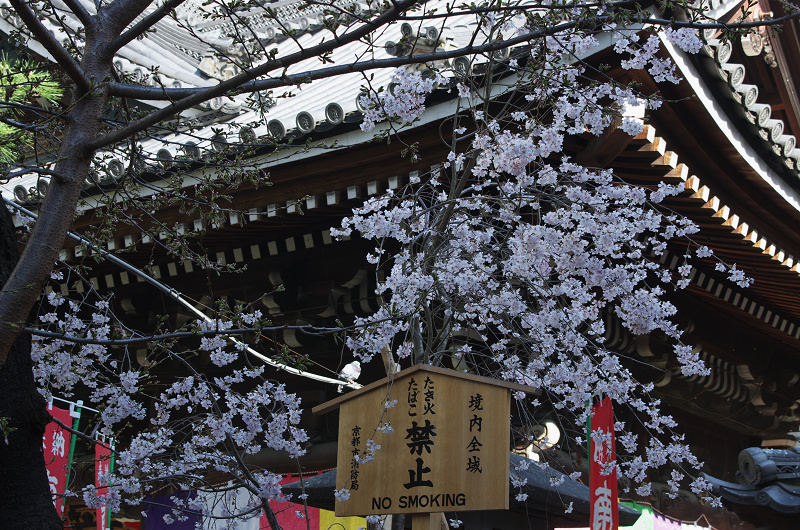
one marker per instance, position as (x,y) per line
(429,521)
(602,150)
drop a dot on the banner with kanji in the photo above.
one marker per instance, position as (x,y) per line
(56,446)
(604,511)
(102,468)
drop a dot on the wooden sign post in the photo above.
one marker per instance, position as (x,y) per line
(444,444)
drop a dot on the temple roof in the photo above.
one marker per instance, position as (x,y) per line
(766,477)
(781,497)
(196,49)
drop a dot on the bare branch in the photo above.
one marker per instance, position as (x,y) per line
(20,125)
(46,39)
(79,434)
(143,25)
(118,14)
(79,11)
(30,108)
(172,94)
(732,26)
(309,330)
(158,93)
(232,84)
(39,170)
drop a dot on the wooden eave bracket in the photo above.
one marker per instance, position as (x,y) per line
(602,150)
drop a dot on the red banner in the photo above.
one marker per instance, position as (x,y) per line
(102,468)
(287,512)
(56,454)
(604,511)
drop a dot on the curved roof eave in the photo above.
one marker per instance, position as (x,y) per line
(726,126)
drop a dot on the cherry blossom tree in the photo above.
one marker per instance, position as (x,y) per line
(507,259)
(504,260)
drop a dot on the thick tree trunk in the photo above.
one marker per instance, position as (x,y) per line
(22,288)
(25,500)
(399,521)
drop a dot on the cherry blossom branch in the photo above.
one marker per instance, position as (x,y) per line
(217,517)
(178,297)
(243,468)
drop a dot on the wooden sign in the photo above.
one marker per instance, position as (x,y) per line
(443,437)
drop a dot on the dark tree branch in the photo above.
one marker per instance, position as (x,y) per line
(46,39)
(157,93)
(117,15)
(233,84)
(22,126)
(39,170)
(79,434)
(79,11)
(308,330)
(172,94)
(143,25)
